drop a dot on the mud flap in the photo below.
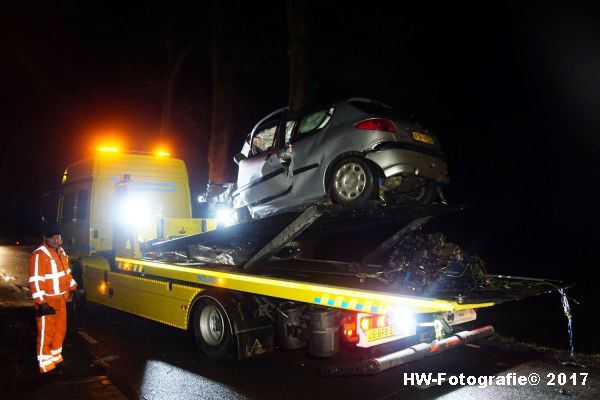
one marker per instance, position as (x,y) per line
(254,335)
(255,341)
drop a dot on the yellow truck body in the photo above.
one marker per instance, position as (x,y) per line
(159,200)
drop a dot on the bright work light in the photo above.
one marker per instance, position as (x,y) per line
(135,211)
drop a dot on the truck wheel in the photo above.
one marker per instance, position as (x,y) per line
(351,182)
(212,329)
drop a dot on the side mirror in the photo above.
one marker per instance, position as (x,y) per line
(239,157)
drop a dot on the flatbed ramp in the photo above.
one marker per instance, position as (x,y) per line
(360,286)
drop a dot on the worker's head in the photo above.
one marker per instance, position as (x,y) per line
(52,237)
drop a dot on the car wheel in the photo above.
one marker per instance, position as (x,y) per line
(423,195)
(243,215)
(212,329)
(351,182)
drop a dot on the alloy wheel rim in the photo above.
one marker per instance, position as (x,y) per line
(349,182)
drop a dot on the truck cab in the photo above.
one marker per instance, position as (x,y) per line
(148,191)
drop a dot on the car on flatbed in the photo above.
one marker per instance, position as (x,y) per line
(349,151)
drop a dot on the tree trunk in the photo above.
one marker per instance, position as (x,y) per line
(302,85)
(223,74)
(166,119)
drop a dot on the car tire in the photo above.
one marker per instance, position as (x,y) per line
(243,215)
(351,182)
(212,329)
(423,195)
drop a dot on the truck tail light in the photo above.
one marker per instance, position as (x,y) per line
(373,321)
(349,332)
(365,323)
(376,124)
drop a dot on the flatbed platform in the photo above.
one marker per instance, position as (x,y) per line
(363,285)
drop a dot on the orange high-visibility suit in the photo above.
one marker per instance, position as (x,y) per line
(50,281)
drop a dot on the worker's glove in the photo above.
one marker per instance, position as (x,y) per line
(45,309)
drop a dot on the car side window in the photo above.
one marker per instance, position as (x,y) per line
(313,122)
(264,139)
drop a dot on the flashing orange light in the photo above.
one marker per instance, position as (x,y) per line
(162,153)
(108,149)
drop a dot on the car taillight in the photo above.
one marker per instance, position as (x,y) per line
(376,124)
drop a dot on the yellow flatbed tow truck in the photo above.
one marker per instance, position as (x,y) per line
(256,286)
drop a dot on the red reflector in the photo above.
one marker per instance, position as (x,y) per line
(376,124)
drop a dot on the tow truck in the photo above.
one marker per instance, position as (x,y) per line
(273,283)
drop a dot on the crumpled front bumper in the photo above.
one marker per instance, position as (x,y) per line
(397,161)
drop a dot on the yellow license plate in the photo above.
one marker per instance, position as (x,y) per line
(380,333)
(421,137)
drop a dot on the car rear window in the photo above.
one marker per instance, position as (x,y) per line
(371,107)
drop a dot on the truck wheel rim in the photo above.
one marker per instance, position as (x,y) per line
(349,181)
(211,325)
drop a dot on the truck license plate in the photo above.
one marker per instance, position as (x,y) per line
(380,333)
(421,137)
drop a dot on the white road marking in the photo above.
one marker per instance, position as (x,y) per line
(87,337)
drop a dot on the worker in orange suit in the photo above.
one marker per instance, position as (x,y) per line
(51,283)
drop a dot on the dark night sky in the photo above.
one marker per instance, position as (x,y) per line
(513,91)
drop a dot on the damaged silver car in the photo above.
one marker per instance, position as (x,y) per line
(351,151)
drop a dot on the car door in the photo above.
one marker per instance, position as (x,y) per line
(308,154)
(264,174)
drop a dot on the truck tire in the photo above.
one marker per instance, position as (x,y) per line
(212,329)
